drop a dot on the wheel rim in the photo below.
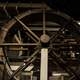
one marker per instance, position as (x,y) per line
(6,28)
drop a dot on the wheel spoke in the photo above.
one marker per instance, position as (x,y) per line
(44,26)
(24,65)
(31,37)
(27,28)
(74,77)
(17,39)
(63,64)
(19,34)
(57,34)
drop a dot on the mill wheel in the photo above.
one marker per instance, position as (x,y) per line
(25,35)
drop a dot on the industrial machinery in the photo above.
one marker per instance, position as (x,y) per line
(45,40)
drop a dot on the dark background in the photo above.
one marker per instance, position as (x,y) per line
(71,7)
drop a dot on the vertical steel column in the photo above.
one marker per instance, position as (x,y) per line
(44,64)
(31,75)
(62,77)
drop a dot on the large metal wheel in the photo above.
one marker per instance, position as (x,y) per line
(27,33)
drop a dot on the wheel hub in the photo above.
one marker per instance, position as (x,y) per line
(44,38)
